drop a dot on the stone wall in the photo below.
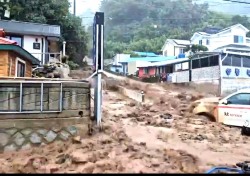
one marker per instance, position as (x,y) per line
(23,134)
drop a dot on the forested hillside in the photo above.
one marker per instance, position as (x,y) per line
(144,25)
(54,12)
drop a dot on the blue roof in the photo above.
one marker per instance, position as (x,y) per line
(146,54)
(149,59)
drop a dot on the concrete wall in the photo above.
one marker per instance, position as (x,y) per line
(24,130)
(207,74)
(132,94)
(23,134)
(75,97)
(230,85)
(180,77)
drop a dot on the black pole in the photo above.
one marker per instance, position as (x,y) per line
(74,7)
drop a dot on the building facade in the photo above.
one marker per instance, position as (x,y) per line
(235,34)
(41,40)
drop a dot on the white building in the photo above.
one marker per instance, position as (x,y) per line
(235,34)
(120,58)
(174,47)
(41,40)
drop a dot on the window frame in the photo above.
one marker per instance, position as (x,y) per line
(145,70)
(22,62)
(200,42)
(237,39)
(16,36)
(207,42)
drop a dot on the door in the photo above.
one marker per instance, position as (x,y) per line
(235,109)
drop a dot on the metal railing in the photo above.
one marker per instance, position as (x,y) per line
(31,97)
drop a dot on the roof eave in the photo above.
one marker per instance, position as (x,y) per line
(19,50)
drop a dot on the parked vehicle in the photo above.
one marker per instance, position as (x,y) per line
(233,110)
(241,168)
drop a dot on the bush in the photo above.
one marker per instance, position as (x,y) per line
(73,65)
(151,79)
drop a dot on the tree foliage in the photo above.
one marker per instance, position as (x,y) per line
(54,12)
(144,25)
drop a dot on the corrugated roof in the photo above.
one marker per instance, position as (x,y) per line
(149,59)
(168,62)
(148,54)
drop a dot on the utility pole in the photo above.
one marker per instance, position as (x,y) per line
(74,7)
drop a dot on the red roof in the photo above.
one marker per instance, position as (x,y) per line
(7,41)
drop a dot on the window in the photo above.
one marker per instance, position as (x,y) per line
(238,39)
(200,42)
(204,62)
(18,39)
(236,61)
(227,61)
(239,99)
(181,51)
(208,42)
(196,64)
(20,68)
(213,61)
(145,71)
(246,62)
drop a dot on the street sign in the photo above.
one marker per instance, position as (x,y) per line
(98,37)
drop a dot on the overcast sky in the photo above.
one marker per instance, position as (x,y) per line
(82,5)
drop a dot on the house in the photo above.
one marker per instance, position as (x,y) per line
(14,60)
(234,48)
(227,71)
(174,47)
(41,40)
(163,67)
(116,68)
(235,34)
(119,58)
(137,60)
(88,60)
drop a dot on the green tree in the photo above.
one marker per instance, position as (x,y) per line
(144,25)
(54,12)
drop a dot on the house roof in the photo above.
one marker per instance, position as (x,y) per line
(19,27)
(20,51)
(147,54)
(149,59)
(181,42)
(221,31)
(7,41)
(163,63)
(236,25)
(211,30)
(176,42)
(237,46)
